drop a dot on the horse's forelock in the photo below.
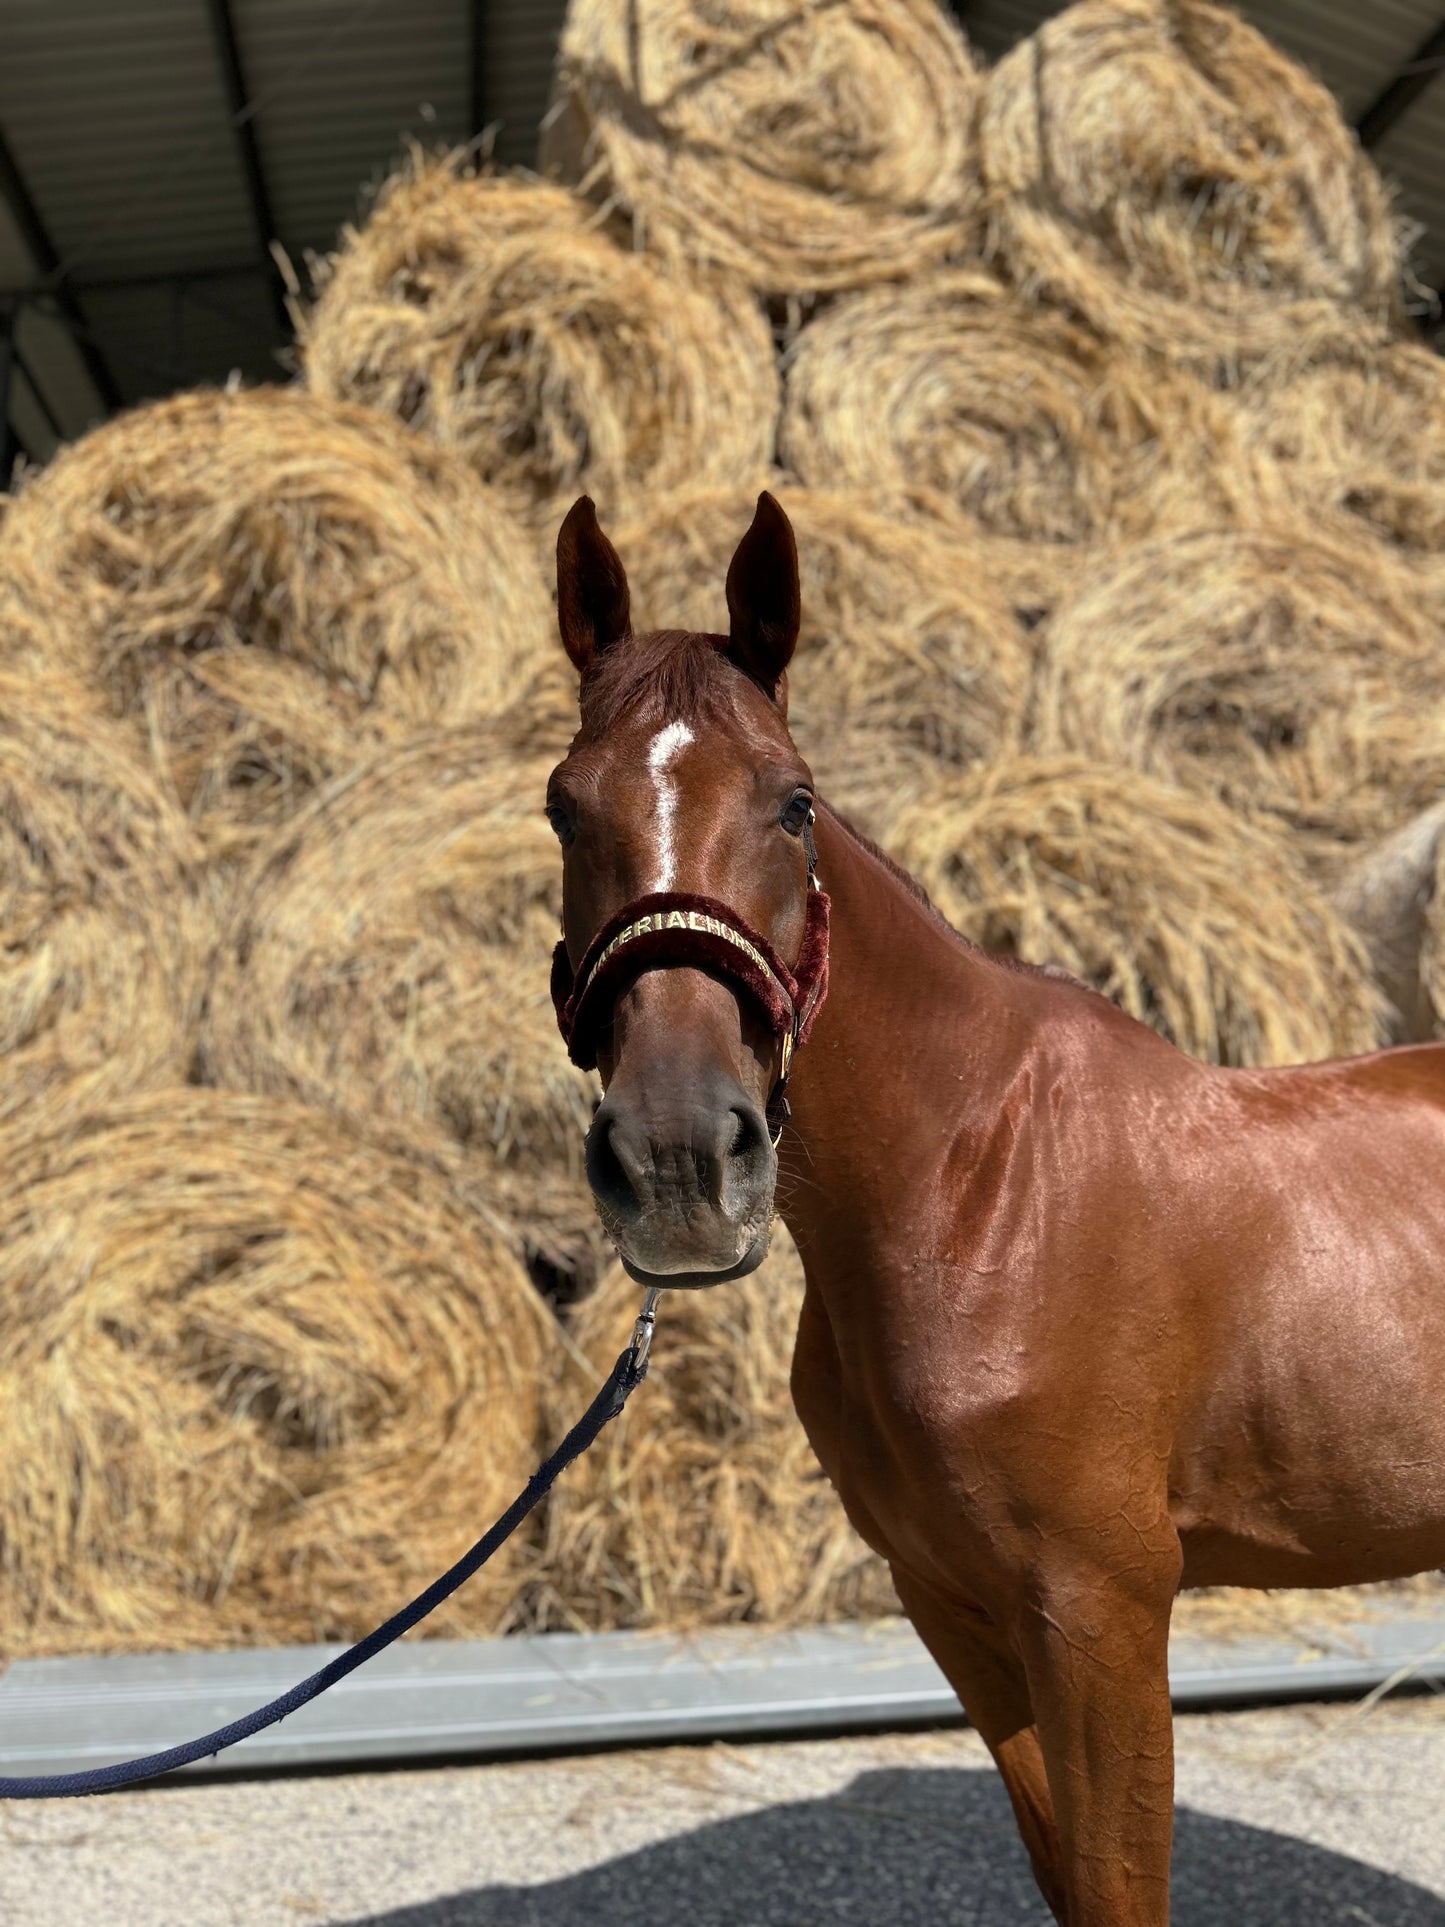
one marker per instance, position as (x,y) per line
(673,675)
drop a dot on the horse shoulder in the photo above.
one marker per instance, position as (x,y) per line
(1052,1242)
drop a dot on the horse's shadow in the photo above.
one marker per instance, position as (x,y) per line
(913,1847)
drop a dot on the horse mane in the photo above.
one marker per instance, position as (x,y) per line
(894,869)
(1054,972)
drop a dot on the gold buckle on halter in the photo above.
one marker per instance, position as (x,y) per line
(812,850)
(777,1098)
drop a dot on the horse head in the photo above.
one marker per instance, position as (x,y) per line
(694,949)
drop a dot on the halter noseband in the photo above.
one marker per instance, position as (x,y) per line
(678,928)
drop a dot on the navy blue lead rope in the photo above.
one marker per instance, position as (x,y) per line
(627,1374)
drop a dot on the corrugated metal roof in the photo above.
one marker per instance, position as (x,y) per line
(119,122)
(1352,49)
(1409,156)
(162,338)
(518,54)
(339,89)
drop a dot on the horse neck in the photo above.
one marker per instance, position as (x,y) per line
(915,1047)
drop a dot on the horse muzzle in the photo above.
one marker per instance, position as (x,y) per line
(681,1160)
(683,1180)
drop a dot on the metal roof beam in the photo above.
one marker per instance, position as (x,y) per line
(42,250)
(48,414)
(1402,89)
(243,122)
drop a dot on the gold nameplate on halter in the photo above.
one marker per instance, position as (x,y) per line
(697,920)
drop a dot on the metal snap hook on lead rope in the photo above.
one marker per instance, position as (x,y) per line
(642,1331)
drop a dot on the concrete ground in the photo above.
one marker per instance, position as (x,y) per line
(1288,1817)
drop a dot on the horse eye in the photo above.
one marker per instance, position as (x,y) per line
(561,822)
(795,816)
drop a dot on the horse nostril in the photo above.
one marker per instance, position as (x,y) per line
(750,1133)
(710,1155)
(744,1150)
(607,1172)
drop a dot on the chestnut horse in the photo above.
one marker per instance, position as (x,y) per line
(1086,1321)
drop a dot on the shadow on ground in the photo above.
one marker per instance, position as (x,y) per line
(921,1848)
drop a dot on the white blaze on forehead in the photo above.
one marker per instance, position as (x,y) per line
(665,746)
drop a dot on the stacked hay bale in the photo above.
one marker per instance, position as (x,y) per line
(1264,664)
(704,1502)
(1083,383)
(230,624)
(498,317)
(256,1377)
(386,957)
(1159,169)
(1150,892)
(1025,420)
(267,588)
(801,148)
(101,967)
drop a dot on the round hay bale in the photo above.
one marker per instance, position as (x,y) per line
(907,648)
(1390,894)
(1365,436)
(556,362)
(703,1504)
(803,147)
(388,953)
(1160,168)
(428,219)
(28,644)
(1202,923)
(1392,768)
(268,586)
(1259,664)
(1024,420)
(101,966)
(551,1218)
(258,1381)
(1033,578)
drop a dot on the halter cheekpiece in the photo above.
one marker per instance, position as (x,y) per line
(675,927)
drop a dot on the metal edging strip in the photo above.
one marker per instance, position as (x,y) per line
(493,1698)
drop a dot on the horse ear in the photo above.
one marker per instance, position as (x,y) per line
(593,606)
(764,601)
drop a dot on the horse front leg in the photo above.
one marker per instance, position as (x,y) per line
(988,1676)
(1095,1650)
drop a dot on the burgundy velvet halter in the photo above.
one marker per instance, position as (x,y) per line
(675,927)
